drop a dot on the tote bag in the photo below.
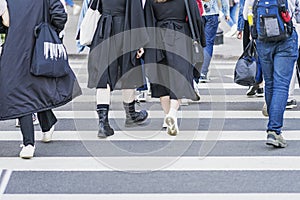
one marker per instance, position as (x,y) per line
(246,66)
(50,57)
(89,24)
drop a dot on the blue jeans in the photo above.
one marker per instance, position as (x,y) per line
(277,61)
(211,23)
(233,10)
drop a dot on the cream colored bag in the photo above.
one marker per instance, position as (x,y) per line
(89,24)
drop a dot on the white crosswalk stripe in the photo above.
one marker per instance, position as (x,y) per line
(218,154)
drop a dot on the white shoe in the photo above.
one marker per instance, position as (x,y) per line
(196,88)
(165,125)
(17,123)
(27,151)
(76,9)
(35,119)
(142,96)
(47,136)
(172,127)
(265,110)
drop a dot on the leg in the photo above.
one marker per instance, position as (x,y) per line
(103,101)
(211,27)
(165,104)
(133,118)
(28,136)
(47,120)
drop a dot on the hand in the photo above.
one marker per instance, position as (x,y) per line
(239,35)
(139,53)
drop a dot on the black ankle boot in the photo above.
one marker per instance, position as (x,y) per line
(134,118)
(104,128)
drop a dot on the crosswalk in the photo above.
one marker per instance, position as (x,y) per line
(218,154)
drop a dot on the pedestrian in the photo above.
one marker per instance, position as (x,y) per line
(233,6)
(211,22)
(113,59)
(170,74)
(277,58)
(22,93)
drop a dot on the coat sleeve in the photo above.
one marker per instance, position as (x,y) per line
(58,15)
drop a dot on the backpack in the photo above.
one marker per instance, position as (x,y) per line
(271,20)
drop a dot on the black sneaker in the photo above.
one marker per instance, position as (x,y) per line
(291,104)
(260,92)
(275,140)
(252,90)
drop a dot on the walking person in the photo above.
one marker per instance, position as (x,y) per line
(113,59)
(22,93)
(170,75)
(211,23)
(277,58)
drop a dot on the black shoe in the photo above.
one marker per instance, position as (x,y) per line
(252,90)
(260,92)
(291,104)
(104,128)
(134,118)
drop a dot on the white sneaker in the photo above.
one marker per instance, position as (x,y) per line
(27,151)
(47,136)
(196,88)
(142,96)
(265,110)
(18,123)
(35,119)
(172,127)
(165,125)
(76,9)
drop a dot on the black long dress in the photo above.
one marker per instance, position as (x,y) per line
(120,33)
(170,48)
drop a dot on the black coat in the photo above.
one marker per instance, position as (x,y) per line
(168,54)
(118,35)
(20,92)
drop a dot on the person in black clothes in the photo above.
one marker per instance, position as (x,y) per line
(170,47)
(22,93)
(113,59)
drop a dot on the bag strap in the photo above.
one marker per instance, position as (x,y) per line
(190,19)
(45,11)
(92,3)
(250,50)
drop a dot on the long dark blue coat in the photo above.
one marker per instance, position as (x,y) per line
(20,92)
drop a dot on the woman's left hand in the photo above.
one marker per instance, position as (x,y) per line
(139,53)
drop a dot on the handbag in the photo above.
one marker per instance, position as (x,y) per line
(246,66)
(197,49)
(89,24)
(50,58)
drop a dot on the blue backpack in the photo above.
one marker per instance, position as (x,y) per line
(271,20)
